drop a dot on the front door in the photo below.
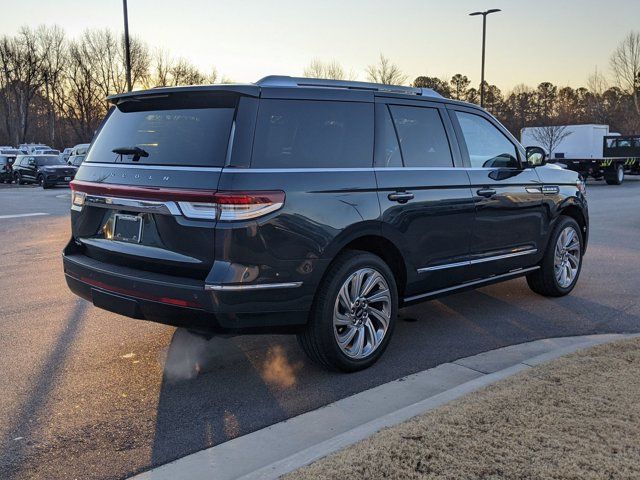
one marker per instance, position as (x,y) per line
(426,203)
(508,231)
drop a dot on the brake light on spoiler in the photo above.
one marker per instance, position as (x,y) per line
(196,204)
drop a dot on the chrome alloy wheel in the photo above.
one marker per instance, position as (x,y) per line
(566,260)
(362,313)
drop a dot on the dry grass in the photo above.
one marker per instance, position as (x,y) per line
(575,418)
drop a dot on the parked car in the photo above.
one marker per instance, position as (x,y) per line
(30,148)
(77,154)
(312,207)
(45,170)
(48,151)
(66,153)
(9,151)
(76,160)
(6,169)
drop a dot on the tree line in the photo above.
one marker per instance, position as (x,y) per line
(53,88)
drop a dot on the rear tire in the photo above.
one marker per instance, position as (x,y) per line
(562,262)
(42,182)
(617,177)
(353,315)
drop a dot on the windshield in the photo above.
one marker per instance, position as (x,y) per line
(181,130)
(42,161)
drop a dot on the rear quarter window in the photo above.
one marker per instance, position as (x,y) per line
(313,134)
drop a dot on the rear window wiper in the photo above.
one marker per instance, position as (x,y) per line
(137,152)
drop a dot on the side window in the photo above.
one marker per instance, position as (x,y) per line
(423,139)
(487,146)
(387,147)
(313,134)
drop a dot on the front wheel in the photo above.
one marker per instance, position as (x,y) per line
(562,262)
(617,177)
(19,180)
(353,315)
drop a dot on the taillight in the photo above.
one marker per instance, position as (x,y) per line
(234,206)
(77,198)
(194,204)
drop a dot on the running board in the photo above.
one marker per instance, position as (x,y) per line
(469,285)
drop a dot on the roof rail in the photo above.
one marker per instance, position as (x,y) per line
(286,81)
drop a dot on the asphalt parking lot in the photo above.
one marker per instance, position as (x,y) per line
(89,394)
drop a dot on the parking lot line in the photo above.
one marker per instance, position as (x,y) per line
(37,214)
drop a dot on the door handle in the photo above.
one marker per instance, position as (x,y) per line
(400,197)
(486,192)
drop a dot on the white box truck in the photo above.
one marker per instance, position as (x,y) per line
(591,150)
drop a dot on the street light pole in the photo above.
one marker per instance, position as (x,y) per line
(127,49)
(484,42)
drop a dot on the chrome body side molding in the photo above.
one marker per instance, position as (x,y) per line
(496,278)
(466,263)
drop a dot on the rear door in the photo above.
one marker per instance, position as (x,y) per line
(510,221)
(147,183)
(427,207)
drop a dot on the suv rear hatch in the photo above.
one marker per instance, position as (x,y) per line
(144,196)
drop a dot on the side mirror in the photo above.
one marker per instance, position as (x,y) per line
(536,157)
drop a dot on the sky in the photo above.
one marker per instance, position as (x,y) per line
(530,41)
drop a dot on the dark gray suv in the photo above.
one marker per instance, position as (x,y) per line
(313,207)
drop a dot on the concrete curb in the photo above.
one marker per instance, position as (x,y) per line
(286,446)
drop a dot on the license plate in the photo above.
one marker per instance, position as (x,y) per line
(127,228)
(67,179)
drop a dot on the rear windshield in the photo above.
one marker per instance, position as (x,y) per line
(173,130)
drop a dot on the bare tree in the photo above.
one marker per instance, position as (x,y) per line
(171,72)
(597,85)
(53,48)
(625,63)
(386,72)
(331,70)
(81,99)
(550,136)
(22,78)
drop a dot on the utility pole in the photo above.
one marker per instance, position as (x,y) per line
(484,42)
(127,49)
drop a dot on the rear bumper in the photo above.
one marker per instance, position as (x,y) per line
(184,302)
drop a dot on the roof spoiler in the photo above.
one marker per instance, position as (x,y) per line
(286,81)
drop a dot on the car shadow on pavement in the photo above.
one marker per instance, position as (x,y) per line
(208,388)
(30,416)
(213,391)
